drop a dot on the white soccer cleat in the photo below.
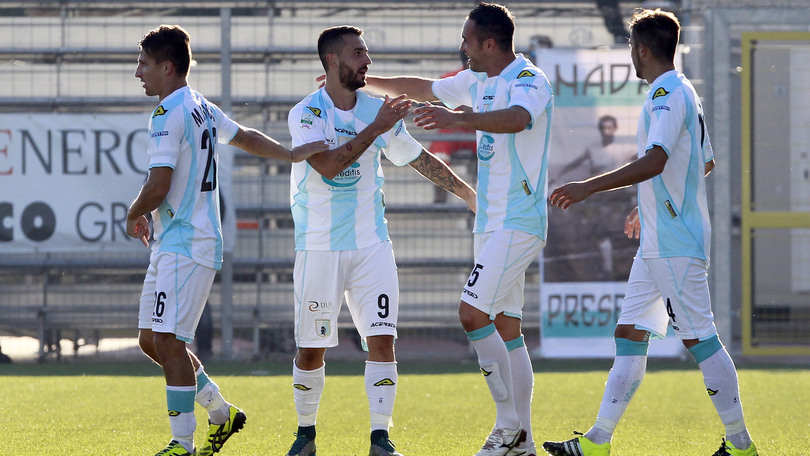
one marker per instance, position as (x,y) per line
(501,441)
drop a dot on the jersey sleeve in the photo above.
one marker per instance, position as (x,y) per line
(399,146)
(455,90)
(666,120)
(530,92)
(305,126)
(226,127)
(166,134)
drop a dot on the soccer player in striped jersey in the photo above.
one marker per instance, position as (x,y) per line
(182,195)
(508,101)
(341,235)
(668,280)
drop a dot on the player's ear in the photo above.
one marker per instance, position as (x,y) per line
(331,60)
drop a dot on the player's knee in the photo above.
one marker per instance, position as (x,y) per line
(472,318)
(705,348)
(309,358)
(630,332)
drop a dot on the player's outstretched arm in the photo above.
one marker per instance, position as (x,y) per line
(257,143)
(414,87)
(328,164)
(510,120)
(646,167)
(443,176)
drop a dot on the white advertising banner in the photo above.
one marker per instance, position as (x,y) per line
(587,258)
(68,180)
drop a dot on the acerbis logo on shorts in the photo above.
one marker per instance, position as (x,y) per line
(385,382)
(315,306)
(470,293)
(301,387)
(486,373)
(157,320)
(382,323)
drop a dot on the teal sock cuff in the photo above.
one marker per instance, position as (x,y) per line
(627,347)
(202,380)
(180,401)
(515,343)
(705,348)
(479,334)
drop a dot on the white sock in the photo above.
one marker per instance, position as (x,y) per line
(381,388)
(623,381)
(209,396)
(307,390)
(180,401)
(183,427)
(494,361)
(523,386)
(720,378)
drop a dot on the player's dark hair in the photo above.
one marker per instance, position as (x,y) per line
(496,22)
(658,30)
(168,42)
(331,39)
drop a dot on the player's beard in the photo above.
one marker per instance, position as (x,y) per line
(351,79)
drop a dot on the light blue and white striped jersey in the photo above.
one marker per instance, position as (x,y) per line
(512,167)
(673,210)
(183,132)
(347,212)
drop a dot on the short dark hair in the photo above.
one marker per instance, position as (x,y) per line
(168,42)
(331,38)
(607,118)
(496,22)
(658,30)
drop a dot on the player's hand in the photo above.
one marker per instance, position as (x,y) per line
(139,229)
(431,116)
(632,225)
(392,111)
(568,194)
(307,150)
(322,80)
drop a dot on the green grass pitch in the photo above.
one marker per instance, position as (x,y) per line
(442,409)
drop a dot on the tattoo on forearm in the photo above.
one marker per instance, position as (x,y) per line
(437,173)
(238,139)
(346,159)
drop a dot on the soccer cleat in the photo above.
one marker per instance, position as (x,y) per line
(175,448)
(218,434)
(501,441)
(728,449)
(304,445)
(381,445)
(579,446)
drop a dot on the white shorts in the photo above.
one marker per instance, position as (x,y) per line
(175,291)
(496,282)
(368,279)
(675,290)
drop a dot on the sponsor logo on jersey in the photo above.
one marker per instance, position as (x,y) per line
(170,212)
(315,306)
(485,372)
(399,128)
(346,178)
(348,132)
(485,148)
(659,92)
(525,74)
(488,97)
(671,209)
(323,328)
(160,133)
(713,392)
(658,108)
(159,111)
(315,111)
(531,86)
(301,387)
(385,382)
(306,119)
